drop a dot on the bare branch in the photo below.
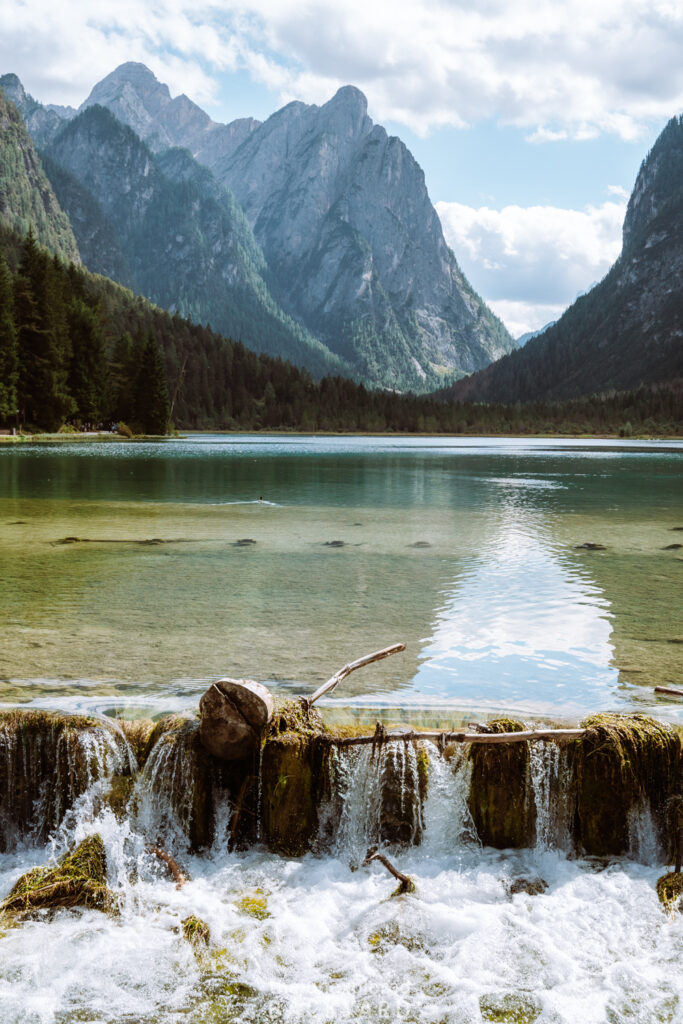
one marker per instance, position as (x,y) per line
(367,659)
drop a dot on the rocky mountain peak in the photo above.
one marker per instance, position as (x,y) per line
(134,95)
(660,179)
(348,108)
(12,88)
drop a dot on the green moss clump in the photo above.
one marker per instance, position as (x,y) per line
(196,931)
(119,793)
(509,1009)
(295,716)
(254,904)
(79,880)
(670,890)
(501,799)
(138,732)
(403,888)
(621,761)
(422,771)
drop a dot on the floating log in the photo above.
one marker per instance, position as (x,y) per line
(234,713)
(671,690)
(381,735)
(367,659)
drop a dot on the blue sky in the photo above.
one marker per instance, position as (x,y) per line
(529,117)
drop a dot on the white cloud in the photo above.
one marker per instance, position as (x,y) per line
(572,69)
(529,263)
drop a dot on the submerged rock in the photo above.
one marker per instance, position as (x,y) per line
(531,886)
(334,544)
(589,545)
(79,880)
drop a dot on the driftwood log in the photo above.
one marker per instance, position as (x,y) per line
(671,690)
(406,883)
(381,735)
(171,863)
(234,713)
(367,659)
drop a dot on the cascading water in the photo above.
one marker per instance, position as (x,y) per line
(302,940)
(46,763)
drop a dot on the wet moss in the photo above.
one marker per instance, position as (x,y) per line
(501,800)
(138,732)
(254,904)
(423,771)
(196,931)
(295,716)
(621,762)
(290,814)
(188,778)
(403,778)
(78,880)
(670,890)
(119,793)
(509,1008)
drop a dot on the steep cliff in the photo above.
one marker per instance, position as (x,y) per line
(26,196)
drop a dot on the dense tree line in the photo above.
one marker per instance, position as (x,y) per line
(77,348)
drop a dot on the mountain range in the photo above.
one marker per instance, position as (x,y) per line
(309,236)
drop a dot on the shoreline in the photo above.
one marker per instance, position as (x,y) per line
(106,438)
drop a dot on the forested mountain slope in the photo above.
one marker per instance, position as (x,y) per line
(628,330)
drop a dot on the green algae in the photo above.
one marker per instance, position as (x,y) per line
(138,733)
(254,904)
(500,798)
(621,762)
(509,1008)
(196,931)
(78,880)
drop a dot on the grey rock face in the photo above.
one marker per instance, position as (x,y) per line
(136,97)
(354,247)
(43,123)
(180,237)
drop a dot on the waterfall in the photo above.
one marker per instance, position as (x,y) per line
(47,762)
(551,787)
(643,844)
(448,824)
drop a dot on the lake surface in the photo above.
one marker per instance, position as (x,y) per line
(466,549)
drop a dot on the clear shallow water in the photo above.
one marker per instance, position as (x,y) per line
(466,549)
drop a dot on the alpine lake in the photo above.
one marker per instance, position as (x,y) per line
(135,573)
(533,578)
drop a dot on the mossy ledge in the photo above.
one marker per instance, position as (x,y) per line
(285,794)
(78,880)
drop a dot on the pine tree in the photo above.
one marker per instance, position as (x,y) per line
(43,340)
(151,391)
(9,362)
(88,369)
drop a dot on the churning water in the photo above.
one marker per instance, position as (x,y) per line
(319,939)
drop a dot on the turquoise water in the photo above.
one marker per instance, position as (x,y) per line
(466,549)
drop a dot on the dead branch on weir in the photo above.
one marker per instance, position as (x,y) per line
(406,882)
(671,690)
(367,659)
(171,863)
(381,735)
